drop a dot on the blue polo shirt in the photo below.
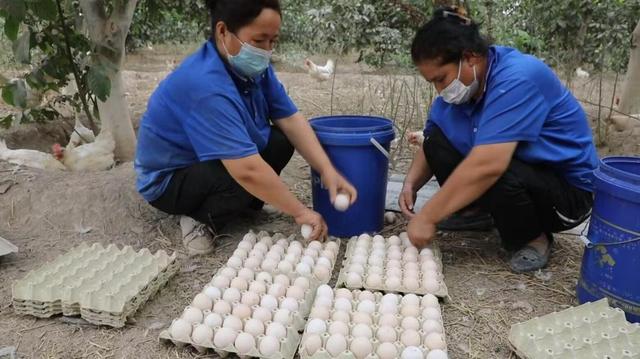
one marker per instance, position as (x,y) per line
(204,111)
(524,102)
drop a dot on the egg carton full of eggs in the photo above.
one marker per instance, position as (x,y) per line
(392,264)
(358,324)
(592,330)
(104,285)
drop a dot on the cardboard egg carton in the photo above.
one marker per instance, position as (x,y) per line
(441,292)
(104,285)
(592,330)
(322,352)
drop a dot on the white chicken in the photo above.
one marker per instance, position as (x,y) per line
(81,135)
(95,156)
(415,138)
(320,73)
(582,73)
(29,158)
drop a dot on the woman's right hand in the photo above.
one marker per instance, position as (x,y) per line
(407,200)
(315,220)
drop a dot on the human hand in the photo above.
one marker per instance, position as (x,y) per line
(335,183)
(315,220)
(407,200)
(421,232)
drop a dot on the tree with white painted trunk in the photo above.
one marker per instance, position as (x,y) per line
(629,102)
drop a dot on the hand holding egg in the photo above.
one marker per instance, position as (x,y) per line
(311,219)
(338,187)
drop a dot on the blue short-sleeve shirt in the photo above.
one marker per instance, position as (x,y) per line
(204,111)
(524,102)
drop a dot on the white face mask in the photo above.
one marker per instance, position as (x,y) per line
(457,92)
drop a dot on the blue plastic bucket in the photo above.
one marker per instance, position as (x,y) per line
(354,144)
(611,261)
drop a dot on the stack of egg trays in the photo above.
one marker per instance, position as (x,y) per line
(289,344)
(323,354)
(103,285)
(442,292)
(592,330)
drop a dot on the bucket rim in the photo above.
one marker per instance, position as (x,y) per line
(315,123)
(606,164)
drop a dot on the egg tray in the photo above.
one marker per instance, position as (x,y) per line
(288,345)
(104,285)
(323,354)
(592,330)
(442,292)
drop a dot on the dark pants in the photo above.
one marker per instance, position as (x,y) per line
(525,202)
(207,193)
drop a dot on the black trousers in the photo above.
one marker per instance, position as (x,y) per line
(207,193)
(526,201)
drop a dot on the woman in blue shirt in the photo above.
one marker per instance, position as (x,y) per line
(219,130)
(504,136)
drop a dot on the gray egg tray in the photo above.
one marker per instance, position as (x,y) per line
(104,285)
(442,291)
(592,330)
(289,344)
(322,353)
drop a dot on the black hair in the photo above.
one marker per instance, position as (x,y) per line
(447,36)
(238,13)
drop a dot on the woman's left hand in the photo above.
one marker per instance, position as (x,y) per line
(421,232)
(335,183)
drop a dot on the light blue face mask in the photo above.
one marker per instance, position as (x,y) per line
(250,61)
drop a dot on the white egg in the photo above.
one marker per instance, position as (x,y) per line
(362,330)
(282,279)
(361,347)
(366,295)
(261,246)
(431,285)
(394,263)
(290,304)
(394,240)
(322,273)
(343,304)
(411,273)
(282,316)
(303,269)
(295,292)
(257,253)
(240,253)
(429,264)
(354,280)
(341,316)
(374,280)
(361,318)
(410,257)
(192,315)
(202,302)
(388,320)
(222,307)
(387,351)
(293,255)
(245,245)
(393,283)
(241,311)
(388,308)
(213,320)
(180,330)
(231,295)
(432,313)
(320,313)
(312,253)
(389,217)
(366,306)
(426,252)
(394,255)
(391,298)
(410,299)
(437,354)
(311,343)
(245,343)
(410,323)
(308,260)
(247,274)
(332,246)
(434,341)
(410,337)
(239,283)
(375,261)
(233,322)
(202,335)
(268,301)
(301,282)
(261,313)
(250,298)
(324,291)
(221,282)
(254,327)
(277,290)
(386,334)
(228,272)
(212,292)
(258,287)
(270,264)
(412,266)
(269,346)
(306,231)
(276,330)
(264,277)
(253,263)
(325,302)
(343,293)
(431,326)
(430,274)
(336,344)
(282,242)
(267,241)
(338,328)
(342,202)
(394,272)
(404,235)
(234,262)
(356,268)
(224,337)
(412,353)
(316,326)
(250,237)
(410,310)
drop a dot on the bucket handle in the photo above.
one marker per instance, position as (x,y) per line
(379,147)
(590,244)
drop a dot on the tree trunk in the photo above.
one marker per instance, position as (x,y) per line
(109,33)
(630,99)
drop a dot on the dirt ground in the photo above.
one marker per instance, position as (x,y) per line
(45,214)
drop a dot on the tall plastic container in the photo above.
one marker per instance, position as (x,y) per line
(356,146)
(611,261)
